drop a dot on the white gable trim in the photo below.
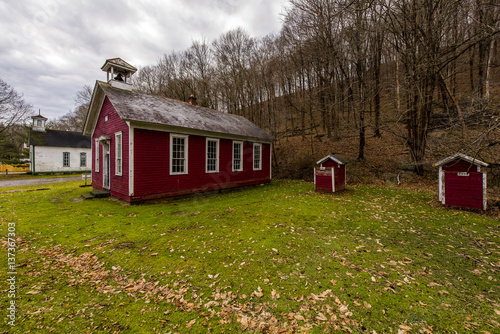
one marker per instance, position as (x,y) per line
(461,156)
(329,157)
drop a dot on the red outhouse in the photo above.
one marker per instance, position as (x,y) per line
(462,182)
(330,176)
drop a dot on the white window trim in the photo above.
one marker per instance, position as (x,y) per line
(216,153)
(96,158)
(260,156)
(186,151)
(241,156)
(118,166)
(84,155)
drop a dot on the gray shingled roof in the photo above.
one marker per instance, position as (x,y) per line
(59,139)
(337,158)
(146,108)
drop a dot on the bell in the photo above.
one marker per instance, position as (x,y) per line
(119,77)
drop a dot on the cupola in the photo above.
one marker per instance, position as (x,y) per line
(39,122)
(118,73)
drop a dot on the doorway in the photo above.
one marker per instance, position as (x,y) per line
(106,167)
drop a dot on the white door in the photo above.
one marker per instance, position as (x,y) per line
(106,166)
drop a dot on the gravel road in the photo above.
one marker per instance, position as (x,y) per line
(31,182)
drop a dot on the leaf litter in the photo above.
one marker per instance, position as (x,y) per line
(222,305)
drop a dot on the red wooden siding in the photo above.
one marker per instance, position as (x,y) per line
(151,161)
(460,166)
(118,184)
(340,178)
(323,180)
(152,177)
(464,191)
(329,163)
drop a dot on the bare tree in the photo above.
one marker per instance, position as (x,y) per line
(13,108)
(75,120)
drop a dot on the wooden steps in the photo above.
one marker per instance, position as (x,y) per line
(96,194)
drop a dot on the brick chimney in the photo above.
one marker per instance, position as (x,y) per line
(192,100)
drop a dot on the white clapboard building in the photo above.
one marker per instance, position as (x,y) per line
(55,151)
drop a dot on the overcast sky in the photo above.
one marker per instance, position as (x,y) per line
(49,49)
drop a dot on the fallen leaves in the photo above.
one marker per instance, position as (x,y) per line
(403,329)
(258,293)
(191,323)
(222,304)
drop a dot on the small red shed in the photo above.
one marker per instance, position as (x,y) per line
(330,176)
(461,181)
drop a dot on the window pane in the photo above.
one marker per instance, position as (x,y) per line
(256,156)
(118,154)
(65,159)
(211,156)
(178,155)
(83,159)
(237,156)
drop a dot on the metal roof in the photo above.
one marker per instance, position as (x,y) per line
(458,156)
(152,109)
(337,158)
(58,138)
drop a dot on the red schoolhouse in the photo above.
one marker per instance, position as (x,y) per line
(147,147)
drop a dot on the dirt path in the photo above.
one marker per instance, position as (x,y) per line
(31,182)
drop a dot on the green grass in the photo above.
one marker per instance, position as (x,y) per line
(279,256)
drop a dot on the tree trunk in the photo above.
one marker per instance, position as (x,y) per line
(488,69)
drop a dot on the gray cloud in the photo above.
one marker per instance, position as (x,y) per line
(50,49)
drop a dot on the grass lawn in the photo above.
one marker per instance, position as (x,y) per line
(273,258)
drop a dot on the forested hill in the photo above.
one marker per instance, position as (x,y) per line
(355,69)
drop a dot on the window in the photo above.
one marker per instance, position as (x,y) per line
(65,159)
(178,154)
(39,123)
(257,156)
(212,156)
(118,154)
(96,167)
(237,150)
(83,159)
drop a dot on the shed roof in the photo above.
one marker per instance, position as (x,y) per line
(460,156)
(337,158)
(152,109)
(59,138)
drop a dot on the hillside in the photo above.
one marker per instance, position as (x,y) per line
(387,159)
